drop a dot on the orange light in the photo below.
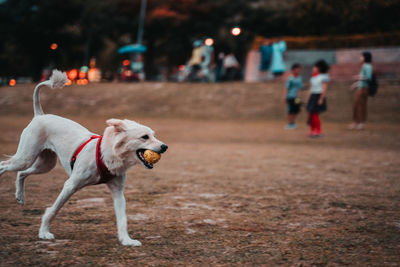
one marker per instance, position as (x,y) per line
(12,82)
(72,74)
(181,67)
(53,46)
(236,31)
(82,75)
(209,41)
(94,75)
(82,81)
(68,83)
(126,62)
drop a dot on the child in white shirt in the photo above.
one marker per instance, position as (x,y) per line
(317,97)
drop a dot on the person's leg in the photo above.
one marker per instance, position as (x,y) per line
(292,110)
(288,110)
(358,106)
(364,101)
(362,108)
(231,74)
(290,118)
(311,120)
(355,106)
(317,124)
(291,125)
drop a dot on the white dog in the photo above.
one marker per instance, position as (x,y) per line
(88,159)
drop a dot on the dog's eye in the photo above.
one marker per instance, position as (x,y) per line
(145,137)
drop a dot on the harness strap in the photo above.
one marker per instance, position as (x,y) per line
(105,175)
(75,156)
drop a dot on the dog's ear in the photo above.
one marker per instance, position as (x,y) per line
(119,125)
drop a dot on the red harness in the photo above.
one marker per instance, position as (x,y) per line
(105,175)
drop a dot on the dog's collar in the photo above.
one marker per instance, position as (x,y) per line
(105,174)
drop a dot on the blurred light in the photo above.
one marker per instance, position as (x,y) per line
(181,67)
(209,41)
(12,82)
(236,31)
(68,83)
(128,73)
(72,74)
(84,69)
(82,82)
(126,62)
(94,75)
(92,63)
(82,75)
(53,46)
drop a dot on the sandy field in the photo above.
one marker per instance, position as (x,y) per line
(234,188)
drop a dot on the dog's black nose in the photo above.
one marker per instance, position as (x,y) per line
(164,148)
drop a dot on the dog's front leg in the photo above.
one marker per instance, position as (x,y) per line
(117,189)
(70,187)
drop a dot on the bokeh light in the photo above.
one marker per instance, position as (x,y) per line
(53,46)
(72,74)
(209,41)
(126,62)
(12,82)
(236,31)
(82,75)
(84,69)
(82,82)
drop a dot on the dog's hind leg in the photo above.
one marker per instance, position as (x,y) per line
(70,187)
(46,161)
(29,147)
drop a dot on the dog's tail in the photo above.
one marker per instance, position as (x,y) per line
(57,80)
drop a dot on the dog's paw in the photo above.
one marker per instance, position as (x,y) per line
(46,235)
(20,198)
(131,242)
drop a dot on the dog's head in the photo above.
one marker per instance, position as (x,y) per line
(129,140)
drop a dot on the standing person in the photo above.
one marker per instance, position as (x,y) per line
(317,96)
(294,83)
(196,60)
(361,96)
(219,68)
(208,60)
(266,54)
(278,66)
(231,66)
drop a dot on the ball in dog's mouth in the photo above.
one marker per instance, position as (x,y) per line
(148,157)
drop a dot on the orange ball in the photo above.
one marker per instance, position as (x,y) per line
(151,156)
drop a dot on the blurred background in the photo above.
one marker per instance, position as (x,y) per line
(235,188)
(130,40)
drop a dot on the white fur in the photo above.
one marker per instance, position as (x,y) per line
(57,80)
(49,136)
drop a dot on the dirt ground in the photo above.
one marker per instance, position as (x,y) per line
(234,188)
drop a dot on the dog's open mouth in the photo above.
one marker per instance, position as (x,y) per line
(140,155)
